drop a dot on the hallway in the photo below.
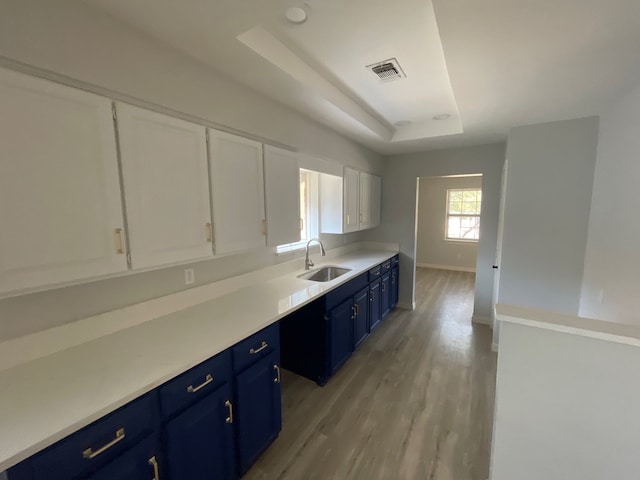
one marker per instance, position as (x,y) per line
(415,401)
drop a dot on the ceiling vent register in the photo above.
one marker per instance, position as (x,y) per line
(387,70)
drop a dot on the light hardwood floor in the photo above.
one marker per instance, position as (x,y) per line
(415,401)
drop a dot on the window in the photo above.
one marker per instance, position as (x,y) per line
(463,214)
(308,211)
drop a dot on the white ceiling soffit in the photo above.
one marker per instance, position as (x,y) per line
(273,50)
(346,39)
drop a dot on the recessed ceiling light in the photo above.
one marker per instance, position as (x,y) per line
(442,116)
(402,123)
(296,15)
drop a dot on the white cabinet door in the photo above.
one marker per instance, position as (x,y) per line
(60,204)
(282,196)
(166,187)
(365,200)
(351,200)
(376,200)
(237,192)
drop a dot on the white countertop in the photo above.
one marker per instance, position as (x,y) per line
(587,327)
(44,400)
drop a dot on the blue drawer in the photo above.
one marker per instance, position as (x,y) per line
(98,443)
(194,384)
(375,273)
(349,289)
(257,346)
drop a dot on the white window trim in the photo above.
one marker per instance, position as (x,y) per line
(313,214)
(447,215)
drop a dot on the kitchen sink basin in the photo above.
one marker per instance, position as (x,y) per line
(324,274)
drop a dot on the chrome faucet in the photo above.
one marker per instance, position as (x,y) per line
(307,261)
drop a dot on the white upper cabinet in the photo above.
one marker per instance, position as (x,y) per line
(237,192)
(349,203)
(166,187)
(365,200)
(282,196)
(351,200)
(375,200)
(60,205)
(370,186)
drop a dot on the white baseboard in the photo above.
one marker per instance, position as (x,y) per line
(494,347)
(447,267)
(481,320)
(406,305)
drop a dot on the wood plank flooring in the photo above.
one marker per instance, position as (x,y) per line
(415,401)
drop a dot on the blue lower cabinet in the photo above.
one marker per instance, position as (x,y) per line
(199,442)
(259,409)
(140,462)
(360,317)
(340,320)
(375,313)
(395,272)
(385,294)
(94,447)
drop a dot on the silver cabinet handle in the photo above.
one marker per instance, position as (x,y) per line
(120,238)
(89,453)
(207,380)
(263,345)
(209,230)
(277,369)
(156,470)
(229,405)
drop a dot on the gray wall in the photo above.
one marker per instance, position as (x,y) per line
(72,39)
(399,189)
(546,214)
(611,283)
(431,246)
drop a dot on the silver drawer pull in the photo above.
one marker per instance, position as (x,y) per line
(277,369)
(229,405)
(264,345)
(207,380)
(89,453)
(156,469)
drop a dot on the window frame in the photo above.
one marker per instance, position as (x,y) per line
(312,214)
(449,215)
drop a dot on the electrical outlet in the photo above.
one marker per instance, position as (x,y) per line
(189,276)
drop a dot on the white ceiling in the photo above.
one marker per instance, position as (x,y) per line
(490,65)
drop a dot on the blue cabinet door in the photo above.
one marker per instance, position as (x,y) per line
(395,272)
(199,442)
(340,326)
(385,294)
(259,409)
(375,314)
(361,316)
(140,462)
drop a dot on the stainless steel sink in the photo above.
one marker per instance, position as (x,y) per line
(324,274)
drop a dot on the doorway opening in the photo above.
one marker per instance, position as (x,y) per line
(448,212)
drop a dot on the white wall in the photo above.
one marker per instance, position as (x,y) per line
(611,282)
(546,214)
(399,188)
(566,407)
(71,39)
(431,247)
